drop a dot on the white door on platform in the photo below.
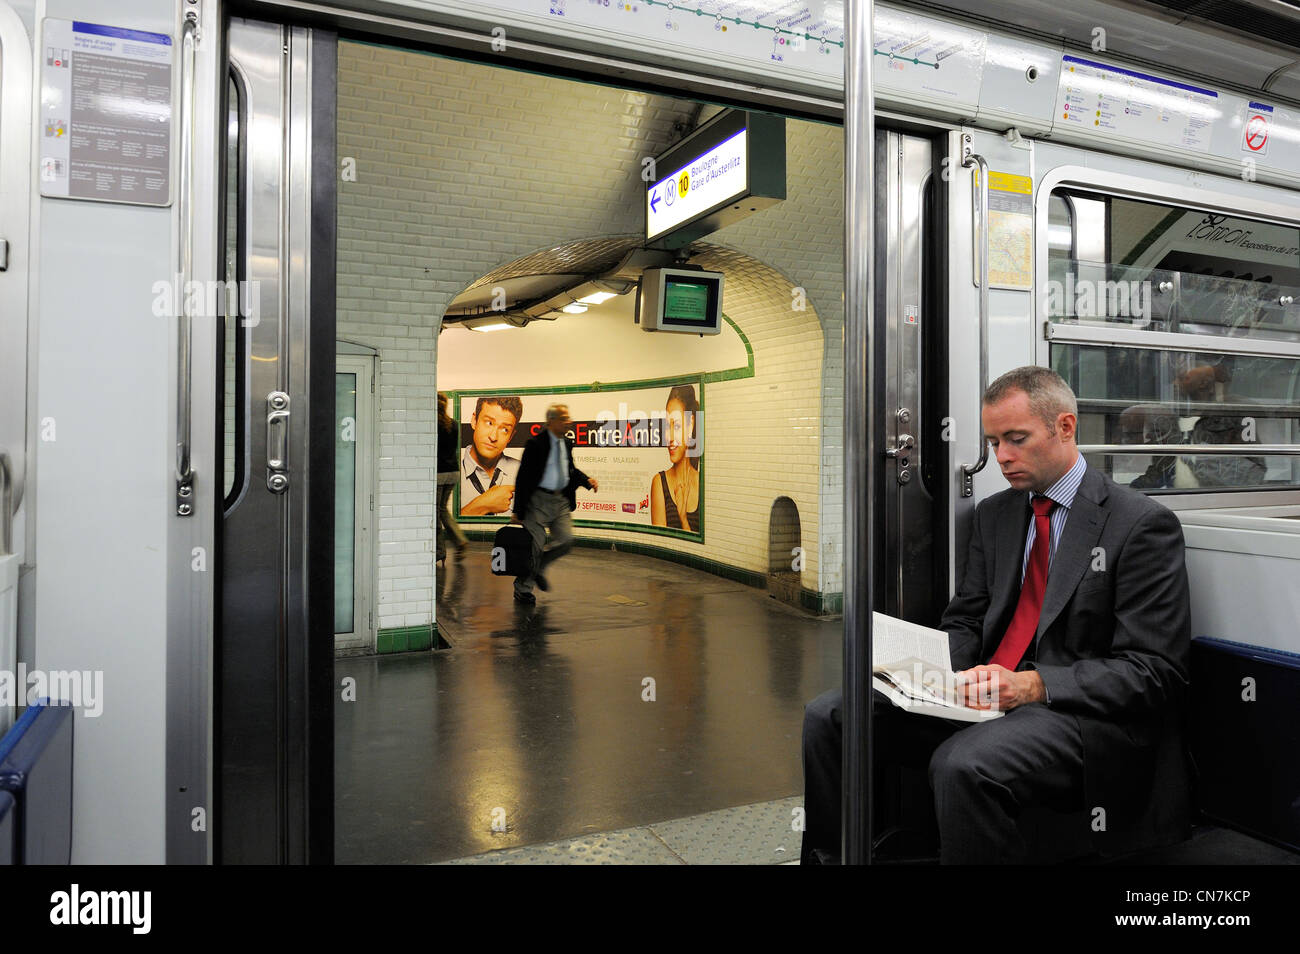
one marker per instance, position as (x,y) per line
(354,502)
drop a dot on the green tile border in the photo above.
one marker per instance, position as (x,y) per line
(597,387)
(823,604)
(409,639)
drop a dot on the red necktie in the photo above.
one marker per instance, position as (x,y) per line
(1025,623)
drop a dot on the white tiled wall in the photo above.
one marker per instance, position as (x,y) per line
(461,168)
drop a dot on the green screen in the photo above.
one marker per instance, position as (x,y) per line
(684,301)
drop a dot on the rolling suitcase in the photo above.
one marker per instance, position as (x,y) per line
(512,551)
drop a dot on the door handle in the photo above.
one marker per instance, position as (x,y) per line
(6,504)
(184,329)
(277,442)
(969,158)
(905,443)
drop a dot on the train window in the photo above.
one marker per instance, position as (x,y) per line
(1141,396)
(1159,268)
(1124,277)
(231,378)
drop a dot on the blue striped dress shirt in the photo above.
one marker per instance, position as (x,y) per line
(1062,492)
(556,474)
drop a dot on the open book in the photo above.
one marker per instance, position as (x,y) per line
(911,665)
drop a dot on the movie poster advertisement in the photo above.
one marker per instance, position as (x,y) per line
(645,447)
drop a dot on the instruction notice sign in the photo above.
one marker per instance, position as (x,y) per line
(1010,231)
(106,113)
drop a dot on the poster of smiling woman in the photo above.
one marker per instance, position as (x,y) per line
(645,446)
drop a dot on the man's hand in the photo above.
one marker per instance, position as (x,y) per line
(490,501)
(593,483)
(996,687)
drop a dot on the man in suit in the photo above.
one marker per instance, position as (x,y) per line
(545,494)
(1073,618)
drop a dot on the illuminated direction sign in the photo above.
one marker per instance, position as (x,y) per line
(728,169)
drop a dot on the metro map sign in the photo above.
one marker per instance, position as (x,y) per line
(728,169)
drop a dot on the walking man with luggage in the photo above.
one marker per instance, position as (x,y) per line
(545,495)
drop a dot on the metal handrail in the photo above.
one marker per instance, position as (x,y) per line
(968,471)
(6,504)
(184,329)
(1191,408)
(859,419)
(1194,450)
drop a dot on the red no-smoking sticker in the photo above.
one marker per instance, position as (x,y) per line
(1255,134)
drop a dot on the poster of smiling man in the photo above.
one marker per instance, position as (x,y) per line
(645,446)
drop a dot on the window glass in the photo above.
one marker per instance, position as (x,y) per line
(230,267)
(1162,268)
(1144,396)
(1119,262)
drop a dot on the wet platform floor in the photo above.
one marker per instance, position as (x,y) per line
(636,691)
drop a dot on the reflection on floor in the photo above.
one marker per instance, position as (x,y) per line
(540,723)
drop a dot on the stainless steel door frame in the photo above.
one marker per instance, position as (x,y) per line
(905,318)
(275,650)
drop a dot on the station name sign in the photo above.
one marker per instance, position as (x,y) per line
(728,169)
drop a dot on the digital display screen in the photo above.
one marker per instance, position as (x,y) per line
(686,301)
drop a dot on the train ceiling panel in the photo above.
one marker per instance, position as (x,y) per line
(1261,52)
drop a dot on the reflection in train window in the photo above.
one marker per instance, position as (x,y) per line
(1141,396)
(1154,271)
(1162,268)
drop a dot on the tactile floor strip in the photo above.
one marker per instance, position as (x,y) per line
(760,834)
(631,846)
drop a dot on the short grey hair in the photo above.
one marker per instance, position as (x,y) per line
(1049,395)
(553,412)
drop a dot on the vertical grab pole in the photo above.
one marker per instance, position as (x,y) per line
(859,454)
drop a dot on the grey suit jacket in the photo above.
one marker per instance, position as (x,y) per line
(1112,645)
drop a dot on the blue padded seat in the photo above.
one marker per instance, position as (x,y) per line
(36,770)
(8,821)
(1246,737)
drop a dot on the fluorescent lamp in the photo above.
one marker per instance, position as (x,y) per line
(491,326)
(574,309)
(595,298)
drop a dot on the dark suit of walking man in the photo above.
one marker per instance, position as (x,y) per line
(545,494)
(1084,642)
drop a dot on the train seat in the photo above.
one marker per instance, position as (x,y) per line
(8,837)
(1245,737)
(36,771)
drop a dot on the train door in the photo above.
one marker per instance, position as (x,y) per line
(354,498)
(275,643)
(911,383)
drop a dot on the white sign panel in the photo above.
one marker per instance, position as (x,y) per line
(804,37)
(937,60)
(1112,101)
(106,111)
(709,180)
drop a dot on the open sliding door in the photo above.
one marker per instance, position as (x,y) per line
(275,649)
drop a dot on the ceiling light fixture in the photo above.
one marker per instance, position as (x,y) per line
(573,308)
(596,298)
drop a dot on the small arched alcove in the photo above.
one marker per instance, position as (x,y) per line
(784,551)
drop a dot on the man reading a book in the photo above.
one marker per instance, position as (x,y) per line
(1072,618)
